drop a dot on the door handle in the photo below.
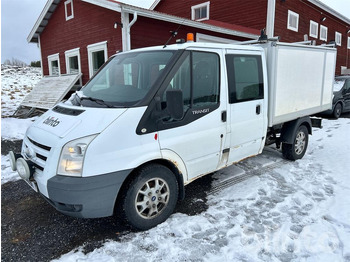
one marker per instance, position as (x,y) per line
(223,116)
(258,109)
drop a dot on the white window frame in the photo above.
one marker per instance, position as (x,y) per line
(337,34)
(66,3)
(51,58)
(313,23)
(101,46)
(199,6)
(348,42)
(71,53)
(322,27)
(296,28)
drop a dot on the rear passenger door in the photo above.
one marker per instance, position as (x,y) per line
(247,108)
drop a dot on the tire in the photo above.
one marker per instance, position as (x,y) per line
(297,150)
(337,111)
(151,197)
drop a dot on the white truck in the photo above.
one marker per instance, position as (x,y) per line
(153,120)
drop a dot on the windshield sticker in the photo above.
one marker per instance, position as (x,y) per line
(51,121)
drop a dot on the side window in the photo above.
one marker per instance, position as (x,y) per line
(205,80)
(198,78)
(245,79)
(182,81)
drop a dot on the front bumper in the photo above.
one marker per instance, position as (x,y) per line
(86,197)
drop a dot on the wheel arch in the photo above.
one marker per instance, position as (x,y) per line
(167,163)
(289,129)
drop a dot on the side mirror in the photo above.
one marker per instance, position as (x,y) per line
(175,105)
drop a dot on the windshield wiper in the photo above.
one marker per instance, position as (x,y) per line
(96,100)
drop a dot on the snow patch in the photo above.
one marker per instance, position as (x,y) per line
(16,83)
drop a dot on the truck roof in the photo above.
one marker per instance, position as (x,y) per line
(187,45)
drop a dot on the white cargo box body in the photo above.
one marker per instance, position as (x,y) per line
(300,80)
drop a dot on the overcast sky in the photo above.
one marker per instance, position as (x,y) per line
(19,16)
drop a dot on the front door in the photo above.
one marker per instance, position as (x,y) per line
(247,109)
(198,138)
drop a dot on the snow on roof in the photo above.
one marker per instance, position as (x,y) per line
(326,8)
(146,4)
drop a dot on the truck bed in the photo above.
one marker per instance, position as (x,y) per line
(300,80)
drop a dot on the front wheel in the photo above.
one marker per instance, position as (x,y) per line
(151,197)
(298,148)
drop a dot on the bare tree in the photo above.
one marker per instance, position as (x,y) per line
(15,62)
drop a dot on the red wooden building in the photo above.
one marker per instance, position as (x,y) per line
(79,35)
(291,20)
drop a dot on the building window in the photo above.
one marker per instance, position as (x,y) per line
(338,38)
(68,6)
(313,29)
(348,42)
(200,12)
(97,55)
(293,21)
(73,61)
(323,33)
(54,65)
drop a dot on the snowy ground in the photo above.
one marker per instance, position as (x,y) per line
(16,83)
(263,209)
(284,211)
(280,211)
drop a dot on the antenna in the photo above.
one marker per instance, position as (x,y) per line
(173,33)
(263,36)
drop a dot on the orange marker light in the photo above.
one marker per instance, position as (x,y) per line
(190,37)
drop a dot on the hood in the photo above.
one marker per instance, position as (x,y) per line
(63,120)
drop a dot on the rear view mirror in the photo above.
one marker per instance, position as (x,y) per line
(175,104)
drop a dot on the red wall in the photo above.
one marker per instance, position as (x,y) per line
(145,32)
(91,24)
(249,13)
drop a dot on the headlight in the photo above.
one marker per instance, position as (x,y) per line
(72,156)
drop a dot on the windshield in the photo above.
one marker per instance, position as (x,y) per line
(338,84)
(126,79)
